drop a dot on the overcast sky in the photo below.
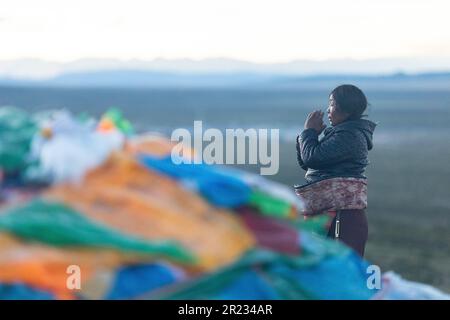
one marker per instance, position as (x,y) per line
(253,30)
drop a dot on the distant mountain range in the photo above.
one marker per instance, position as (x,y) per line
(385,73)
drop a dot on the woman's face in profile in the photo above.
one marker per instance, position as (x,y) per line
(335,116)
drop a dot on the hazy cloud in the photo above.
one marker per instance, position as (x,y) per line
(253,30)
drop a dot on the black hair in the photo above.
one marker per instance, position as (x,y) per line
(350,99)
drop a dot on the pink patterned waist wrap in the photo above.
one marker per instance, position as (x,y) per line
(333,194)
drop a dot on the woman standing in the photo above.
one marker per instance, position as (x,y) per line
(341,153)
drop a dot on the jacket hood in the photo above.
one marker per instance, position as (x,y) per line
(367,127)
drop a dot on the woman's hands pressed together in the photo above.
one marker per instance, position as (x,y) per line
(315,121)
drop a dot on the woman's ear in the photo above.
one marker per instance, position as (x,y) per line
(346,115)
(343,115)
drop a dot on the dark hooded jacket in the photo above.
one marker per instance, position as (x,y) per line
(341,152)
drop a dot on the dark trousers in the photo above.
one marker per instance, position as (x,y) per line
(353,229)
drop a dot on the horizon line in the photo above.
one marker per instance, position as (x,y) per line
(226,58)
(41,69)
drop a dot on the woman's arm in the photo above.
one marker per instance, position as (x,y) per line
(314,121)
(316,154)
(299,154)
